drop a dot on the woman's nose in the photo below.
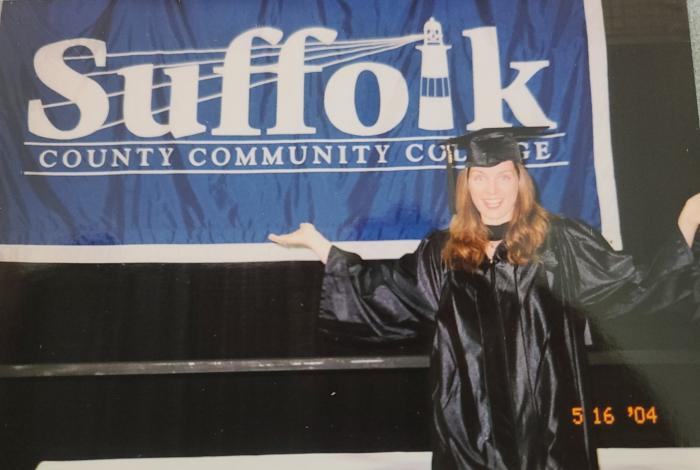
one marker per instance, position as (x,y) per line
(492,187)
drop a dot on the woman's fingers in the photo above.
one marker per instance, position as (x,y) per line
(273,237)
(284,240)
(300,237)
(307,236)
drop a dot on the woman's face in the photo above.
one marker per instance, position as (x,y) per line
(493,191)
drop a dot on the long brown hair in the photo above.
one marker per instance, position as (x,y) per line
(466,247)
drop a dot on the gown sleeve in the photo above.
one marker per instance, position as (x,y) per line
(607,283)
(382,300)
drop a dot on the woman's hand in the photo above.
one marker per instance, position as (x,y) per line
(305,236)
(689,219)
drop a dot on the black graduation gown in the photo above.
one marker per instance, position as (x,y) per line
(508,362)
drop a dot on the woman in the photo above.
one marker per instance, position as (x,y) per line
(505,294)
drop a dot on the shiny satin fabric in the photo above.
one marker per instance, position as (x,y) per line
(508,356)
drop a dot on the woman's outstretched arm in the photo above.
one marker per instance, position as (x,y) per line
(379,300)
(305,236)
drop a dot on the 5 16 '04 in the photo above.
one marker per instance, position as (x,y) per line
(606,415)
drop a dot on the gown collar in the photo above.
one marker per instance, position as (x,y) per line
(497,232)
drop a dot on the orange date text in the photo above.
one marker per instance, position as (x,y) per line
(606,415)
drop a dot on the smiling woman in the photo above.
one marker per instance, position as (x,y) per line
(506,307)
(503,196)
(494,191)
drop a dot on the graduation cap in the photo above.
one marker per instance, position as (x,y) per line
(486,147)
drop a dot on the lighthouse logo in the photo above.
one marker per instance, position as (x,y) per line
(435,104)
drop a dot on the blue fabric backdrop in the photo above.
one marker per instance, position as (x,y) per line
(118,185)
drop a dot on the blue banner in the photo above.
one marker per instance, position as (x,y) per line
(218,122)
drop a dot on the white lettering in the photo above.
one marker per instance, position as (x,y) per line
(319,154)
(137,107)
(235,89)
(85,93)
(381,150)
(290,83)
(123,157)
(138,117)
(42,158)
(360,151)
(342,159)
(144,153)
(412,157)
(193,160)
(243,158)
(272,159)
(215,156)
(524,149)
(94,163)
(435,158)
(184,93)
(488,94)
(339,98)
(542,150)
(73,162)
(165,153)
(293,154)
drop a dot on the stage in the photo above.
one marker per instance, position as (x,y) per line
(609,459)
